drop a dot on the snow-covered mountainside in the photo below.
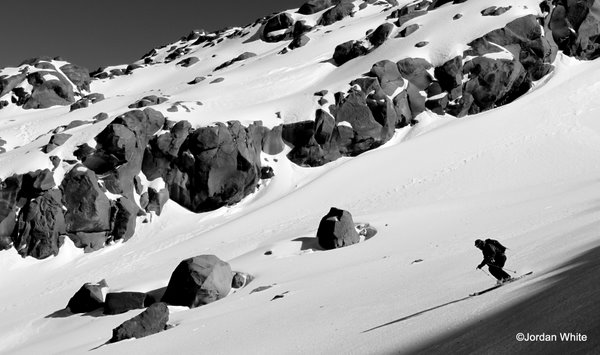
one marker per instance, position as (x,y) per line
(195,182)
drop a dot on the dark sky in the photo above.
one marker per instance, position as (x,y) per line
(110,32)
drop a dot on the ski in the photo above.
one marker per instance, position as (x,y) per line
(500,285)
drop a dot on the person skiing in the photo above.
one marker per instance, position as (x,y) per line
(494,258)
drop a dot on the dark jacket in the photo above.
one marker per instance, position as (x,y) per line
(493,254)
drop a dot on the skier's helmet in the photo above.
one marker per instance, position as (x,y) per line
(479,243)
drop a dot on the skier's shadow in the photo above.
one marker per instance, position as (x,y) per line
(416,314)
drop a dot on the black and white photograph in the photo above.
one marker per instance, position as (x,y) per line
(273,177)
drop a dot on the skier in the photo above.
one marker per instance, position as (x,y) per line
(493,256)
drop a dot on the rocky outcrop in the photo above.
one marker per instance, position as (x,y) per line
(198,281)
(88,298)
(86,101)
(575,27)
(151,321)
(208,168)
(349,50)
(188,62)
(381,34)
(49,88)
(336,230)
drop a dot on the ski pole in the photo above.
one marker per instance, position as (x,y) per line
(513,271)
(485,272)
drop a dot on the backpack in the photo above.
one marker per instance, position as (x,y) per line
(496,244)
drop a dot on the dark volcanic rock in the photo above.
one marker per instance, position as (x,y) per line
(88,208)
(124,221)
(88,298)
(388,75)
(198,281)
(415,71)
(337,13)
(314,6)
(214,167)
(348,51)
(78,75)
(239,58)
(148,101)
(48,92)
(575,27)
(121,302)
(381,34)
(278,27)
(41,226)
(151,321)
(188,62)
(336,230)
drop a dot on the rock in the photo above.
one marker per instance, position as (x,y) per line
(381,34)
(408,30)
(266,172)
(198,281)
(299,41)
(421,44)
(121,302)
(38,181)
(239,58)
(402,107)
(457,16)
(415,71)
(56,141)
(278,28)
(89,241)
(314,6)
(495,11)
(148,101)
(495,82)
(41,226)
(416,101)
(131,68)
(151,321)
(388,75)
(46,93)
(157,200)
(575,28)
(348,51)
(78,75)
(8,83)
(100,117)
(272,143)
(437,3)
(197,80)
(241,279)
(124,221)
(450,74)
(337,13)
(217,80)
(188,62)
(215,166)
(336,230)
(88,298)
(88,208)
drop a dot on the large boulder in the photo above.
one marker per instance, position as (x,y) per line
(151,321)
(198,281)
(336,230)
(381,34)
(388,75)
(415,70)
(40,227)
(88,298)
(88,208)
(214,167)
(347,51)
(124,220)
(10,203)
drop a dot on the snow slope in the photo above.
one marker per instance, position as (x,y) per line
(525,173)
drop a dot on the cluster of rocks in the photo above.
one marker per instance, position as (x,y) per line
(393,93)
(195,282)
(39,84)
(239,58)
